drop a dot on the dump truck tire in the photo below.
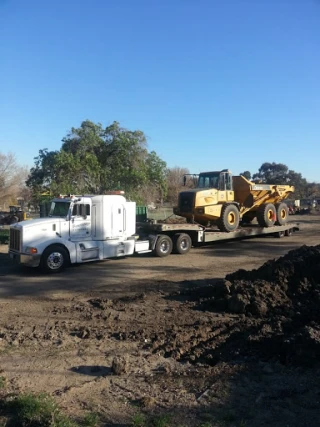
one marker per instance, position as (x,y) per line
(54,259)
(163,246)
(282,213)
(267,215)
(229,220)
(181,243)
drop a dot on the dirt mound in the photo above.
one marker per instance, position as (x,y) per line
(279,309)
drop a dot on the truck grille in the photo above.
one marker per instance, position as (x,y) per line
(15,239)
(186,202)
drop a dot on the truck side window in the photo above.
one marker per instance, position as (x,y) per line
(229,182)
(81,210)
(84,210)
(222,182)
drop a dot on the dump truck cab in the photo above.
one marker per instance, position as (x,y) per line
(204,202)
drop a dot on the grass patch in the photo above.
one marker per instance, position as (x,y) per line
(28,410)
(141,420)
(91,419)
(3,382)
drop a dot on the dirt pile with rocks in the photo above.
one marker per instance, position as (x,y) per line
(279,305)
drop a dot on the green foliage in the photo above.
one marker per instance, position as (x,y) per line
(91,419)
(139,420)
(2,382)
(94,160)
(246,174)
(37,410)
(278,173)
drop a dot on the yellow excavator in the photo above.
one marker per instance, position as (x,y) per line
(225,200)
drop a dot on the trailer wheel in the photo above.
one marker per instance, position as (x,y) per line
(54,259)
(182,243)
(266,215)
(229,220)
(289,232)
(163,246)
(282,213)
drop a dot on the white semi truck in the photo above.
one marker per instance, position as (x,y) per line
(90,228)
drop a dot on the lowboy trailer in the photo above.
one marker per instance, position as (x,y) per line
(91,228)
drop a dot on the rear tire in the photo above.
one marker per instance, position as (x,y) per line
(54,259)
(182,243)
(282,213)
(266,215)
(163,246)
(229,220)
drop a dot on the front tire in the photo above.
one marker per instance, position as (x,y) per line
(229,220)
(163,246)
(54,259)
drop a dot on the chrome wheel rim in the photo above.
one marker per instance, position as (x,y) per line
(55,261)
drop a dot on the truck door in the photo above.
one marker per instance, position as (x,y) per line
(118,220)
(80,222)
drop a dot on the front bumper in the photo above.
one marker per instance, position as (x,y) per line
(25,259)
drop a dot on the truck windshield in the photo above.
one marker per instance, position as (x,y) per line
(59,209)
(209,180)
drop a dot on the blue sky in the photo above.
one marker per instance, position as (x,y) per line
(213,84)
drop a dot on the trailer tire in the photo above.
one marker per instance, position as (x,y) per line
(229,220)
(54,259)
(163,246)
(282,213)
(266,215)
(182,243)
(288,233)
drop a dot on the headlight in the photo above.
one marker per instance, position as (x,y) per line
(31,250)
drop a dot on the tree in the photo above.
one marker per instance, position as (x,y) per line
(12,180)
(246,174)
(93,159)
(278,173)
(175,183)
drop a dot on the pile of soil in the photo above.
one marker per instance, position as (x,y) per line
(279,309)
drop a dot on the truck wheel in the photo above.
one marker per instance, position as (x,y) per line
(182,243)
(229,220)
(266,215)
(54,259)
(163,246)
(282,213)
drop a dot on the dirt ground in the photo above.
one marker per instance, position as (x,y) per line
(227,335)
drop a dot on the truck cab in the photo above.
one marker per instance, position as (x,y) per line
(77,229)
(212,190)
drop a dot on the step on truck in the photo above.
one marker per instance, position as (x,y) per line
(80,229)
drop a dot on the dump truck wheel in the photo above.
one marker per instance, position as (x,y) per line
(229,220)
(163,246)
(54,259)
(282,213)
(182,243)
(266,215)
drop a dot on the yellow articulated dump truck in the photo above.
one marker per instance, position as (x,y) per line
(226,201)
